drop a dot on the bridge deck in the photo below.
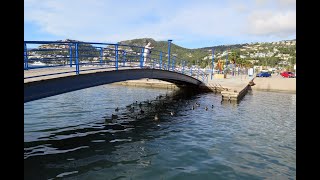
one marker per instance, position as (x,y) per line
(232,87)
(70,70)
(45,86)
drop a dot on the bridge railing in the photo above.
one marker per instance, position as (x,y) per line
(75,57)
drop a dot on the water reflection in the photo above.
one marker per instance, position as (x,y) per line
(67,147)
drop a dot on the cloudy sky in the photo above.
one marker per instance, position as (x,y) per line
(189,23)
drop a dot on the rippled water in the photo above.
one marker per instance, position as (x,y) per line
(73,136)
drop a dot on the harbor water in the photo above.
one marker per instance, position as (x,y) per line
(196,136)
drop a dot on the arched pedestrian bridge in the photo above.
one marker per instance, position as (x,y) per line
(56,67)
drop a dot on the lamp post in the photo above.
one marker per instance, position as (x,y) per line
(226,68)
(212,63)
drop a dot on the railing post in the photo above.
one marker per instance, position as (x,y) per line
(212,63)
(141,58)
(184,62)
(169,47)
(173,61)
(160,63)
(198,73)
(70,53)
(101,55)
(124,58)
(77,59)
(25,57)
(116,56)
(152,63)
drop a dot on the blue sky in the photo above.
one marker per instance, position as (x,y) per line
(189,23)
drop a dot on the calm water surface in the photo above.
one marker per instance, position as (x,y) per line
(72,136)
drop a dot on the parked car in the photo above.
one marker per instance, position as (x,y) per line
(287,74)
(263,74)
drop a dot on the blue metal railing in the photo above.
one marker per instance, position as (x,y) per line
(75,57)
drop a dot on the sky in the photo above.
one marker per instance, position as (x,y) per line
(189,23)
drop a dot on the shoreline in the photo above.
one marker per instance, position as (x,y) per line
(275,90)
(274,84)
(148,83)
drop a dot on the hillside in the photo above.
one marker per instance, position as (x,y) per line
(189,55)
(56,53)
(282,53)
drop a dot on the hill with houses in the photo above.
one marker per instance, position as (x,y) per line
(272,54)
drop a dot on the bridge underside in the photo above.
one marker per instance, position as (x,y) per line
(45,88)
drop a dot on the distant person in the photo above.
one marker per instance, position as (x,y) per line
(250,72)
(220,66)
(147,52)
(124,53)
(233,61)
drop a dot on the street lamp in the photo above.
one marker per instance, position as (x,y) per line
(212,63)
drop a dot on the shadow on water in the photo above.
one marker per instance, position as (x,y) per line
(97,145)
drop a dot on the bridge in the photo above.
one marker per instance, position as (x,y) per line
(56,67)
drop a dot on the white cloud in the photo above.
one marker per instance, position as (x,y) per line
(113,21)
(269,23)
(288,2)
(276,2)
(241,8)
(261,2)
(90,20)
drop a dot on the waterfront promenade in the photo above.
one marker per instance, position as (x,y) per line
(231,87)
(274,83)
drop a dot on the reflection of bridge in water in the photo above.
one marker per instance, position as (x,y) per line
(59,67)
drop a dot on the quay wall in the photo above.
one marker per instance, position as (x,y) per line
(276,83)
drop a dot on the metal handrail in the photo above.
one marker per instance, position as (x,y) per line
(79,54)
